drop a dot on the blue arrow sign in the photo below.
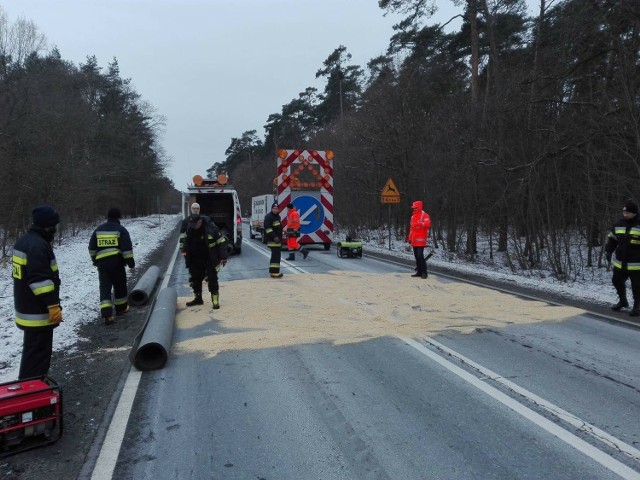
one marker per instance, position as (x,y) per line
(311,213)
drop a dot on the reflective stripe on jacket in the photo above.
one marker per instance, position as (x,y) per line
(419,229)
(624,240)
(273,230)
(36,281)
(111,239)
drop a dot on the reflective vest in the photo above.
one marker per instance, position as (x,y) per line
(419,229)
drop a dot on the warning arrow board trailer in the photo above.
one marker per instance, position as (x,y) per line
(305,178)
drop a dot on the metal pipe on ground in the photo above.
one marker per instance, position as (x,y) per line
(151,346)
(142,291)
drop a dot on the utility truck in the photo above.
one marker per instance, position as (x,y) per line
(305,178)
(260,206)
(219,201)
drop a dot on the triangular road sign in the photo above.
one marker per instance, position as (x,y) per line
(390,190)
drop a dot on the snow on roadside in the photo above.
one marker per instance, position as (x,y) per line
(79,290)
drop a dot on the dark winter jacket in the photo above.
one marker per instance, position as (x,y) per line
(36,283)
(110,245)
(273,229)
(624,239)
(204,243)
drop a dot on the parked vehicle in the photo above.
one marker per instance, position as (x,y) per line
(305,178)
(260,206)
(219,201)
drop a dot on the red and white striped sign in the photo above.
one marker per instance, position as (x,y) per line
(307,173)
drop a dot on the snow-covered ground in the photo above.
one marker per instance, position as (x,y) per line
(79,290)
(80,297)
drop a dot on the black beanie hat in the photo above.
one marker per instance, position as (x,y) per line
(275,205)
(114,214)
(45,216)
(630,207)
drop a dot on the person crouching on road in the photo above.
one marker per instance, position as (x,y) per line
(205,251)
(273,235)
(110,249)
(418,235)
(624,240)
(36,292)
(293,232)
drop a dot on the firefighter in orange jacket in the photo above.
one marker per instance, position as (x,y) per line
(36,291)
(293,232)
(418,235)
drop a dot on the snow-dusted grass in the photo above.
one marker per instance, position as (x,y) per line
(79,290)
(590,284)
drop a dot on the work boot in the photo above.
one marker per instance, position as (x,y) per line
(423,276)
(291,257)
(620,305)
(109,320)
(635,311)
(416,275)
(277,275)
(197,300)
(215,299)
(123,311)
(305,253)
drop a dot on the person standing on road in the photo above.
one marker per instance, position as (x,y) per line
(110,250)
(205,251)
(418,234)
(195,211)
(36,291)
(624,240)
(293,232)
(273,234)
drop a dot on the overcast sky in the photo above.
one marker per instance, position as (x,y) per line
(213,68)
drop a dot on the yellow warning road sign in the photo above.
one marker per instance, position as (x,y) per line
(390,193)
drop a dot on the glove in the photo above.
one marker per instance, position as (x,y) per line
(186,260)
(55,314)
(223,262)
(608,256)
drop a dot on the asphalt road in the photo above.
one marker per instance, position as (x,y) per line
(542,400)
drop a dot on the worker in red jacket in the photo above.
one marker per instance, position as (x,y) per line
(293,232)
(418,235)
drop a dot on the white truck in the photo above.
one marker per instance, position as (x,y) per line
(260,206)
(219,201)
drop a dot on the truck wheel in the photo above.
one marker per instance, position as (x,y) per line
(251,235)
(327,246)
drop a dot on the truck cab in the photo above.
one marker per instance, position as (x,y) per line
(219,201)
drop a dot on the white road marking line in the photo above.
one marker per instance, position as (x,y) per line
(598,455)
(580,424)
(106,463)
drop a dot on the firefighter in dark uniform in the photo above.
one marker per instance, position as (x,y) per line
(36,291)
(110,250)
(205,251)
(624,240)
(195,211)
(273,234)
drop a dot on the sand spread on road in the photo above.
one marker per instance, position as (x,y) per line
(342,307)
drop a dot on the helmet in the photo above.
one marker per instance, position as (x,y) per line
(417,205)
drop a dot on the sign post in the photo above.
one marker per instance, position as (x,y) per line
(390,194)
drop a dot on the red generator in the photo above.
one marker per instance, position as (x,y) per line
(30,414)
